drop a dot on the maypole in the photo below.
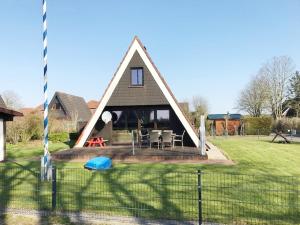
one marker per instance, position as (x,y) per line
(45,162)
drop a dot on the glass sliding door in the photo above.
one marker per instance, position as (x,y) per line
(163,119)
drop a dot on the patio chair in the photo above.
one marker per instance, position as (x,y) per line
(167,138)
(143,138)
(178,138)
(154,137)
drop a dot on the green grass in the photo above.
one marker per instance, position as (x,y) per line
(31,150)
(161,190)
(259,156)
(250,154)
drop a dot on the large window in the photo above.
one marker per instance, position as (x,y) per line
(119,119)
(147,118)
(132,119)
(137,77)
(163,119)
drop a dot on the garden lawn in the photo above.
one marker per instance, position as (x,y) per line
(254,155)
(31,150)
(250,154)
(267,195)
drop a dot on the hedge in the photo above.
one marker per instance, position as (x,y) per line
(59,137)
(255,125)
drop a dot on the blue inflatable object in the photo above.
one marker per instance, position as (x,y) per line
(98,163)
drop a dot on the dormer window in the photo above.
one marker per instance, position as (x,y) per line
(137,76)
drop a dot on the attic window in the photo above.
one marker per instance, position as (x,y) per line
(57,106)
(137,76)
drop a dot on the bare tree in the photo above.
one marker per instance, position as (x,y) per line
(254,97)
(277,72)
(200,105)
(11,99)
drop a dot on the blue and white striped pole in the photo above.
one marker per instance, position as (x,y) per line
(45,78)
(46,157)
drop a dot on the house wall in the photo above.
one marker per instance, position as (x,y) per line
(107,132)
(220,124)
(126,95)
(2,140)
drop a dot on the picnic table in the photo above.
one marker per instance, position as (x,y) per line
(282,136)
(96,142)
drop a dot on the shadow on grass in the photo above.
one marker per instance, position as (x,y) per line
(21,189)
(251,199)
(149,193)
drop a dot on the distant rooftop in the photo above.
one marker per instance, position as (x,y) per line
(93,104)
(234,116)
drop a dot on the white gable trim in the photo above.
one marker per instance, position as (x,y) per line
(136,47)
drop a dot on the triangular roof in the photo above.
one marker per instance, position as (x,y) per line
(72,105)
(2,103)
(8,112)
(137,45)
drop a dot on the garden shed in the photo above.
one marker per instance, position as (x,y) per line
(222,121)
(5,115)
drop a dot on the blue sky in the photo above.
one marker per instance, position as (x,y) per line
(206,48)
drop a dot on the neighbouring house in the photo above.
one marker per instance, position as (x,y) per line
(218,123)
(138,98)
(69,107)
(93,104)
(5,115)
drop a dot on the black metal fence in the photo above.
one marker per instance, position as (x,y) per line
(192,197)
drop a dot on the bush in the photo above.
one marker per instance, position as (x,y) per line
(34,126)
(23,129)
(74,136)
(253,125)
(285,124)
(59,137)
(30,127)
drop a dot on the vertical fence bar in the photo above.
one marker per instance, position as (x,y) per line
(199,197)
(53,188)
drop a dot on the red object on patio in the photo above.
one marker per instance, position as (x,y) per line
(96,142)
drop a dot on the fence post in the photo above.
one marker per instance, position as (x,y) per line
(53,188)
(199,198)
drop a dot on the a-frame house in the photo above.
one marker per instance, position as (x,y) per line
(138,98)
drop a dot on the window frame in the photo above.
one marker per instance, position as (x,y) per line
(137,85)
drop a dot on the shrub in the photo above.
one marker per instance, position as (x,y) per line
(13,130)
(30,127)
(285,124)
(74,136)
(23,129)
(34,124)
(59,137)
(59,125)
(253,125)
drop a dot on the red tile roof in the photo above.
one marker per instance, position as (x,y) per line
(93,104)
